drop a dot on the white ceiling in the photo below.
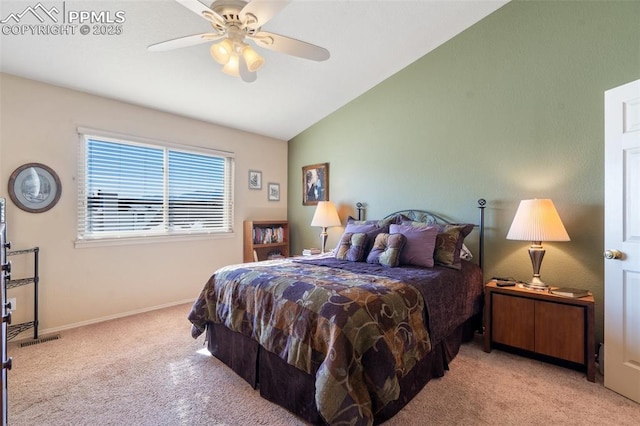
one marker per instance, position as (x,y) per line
(369,41)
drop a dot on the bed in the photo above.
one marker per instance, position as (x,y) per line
(349,336)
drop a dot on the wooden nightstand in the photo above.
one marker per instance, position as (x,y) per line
(541,324)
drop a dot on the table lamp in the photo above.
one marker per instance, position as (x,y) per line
(325,216)
(537,221)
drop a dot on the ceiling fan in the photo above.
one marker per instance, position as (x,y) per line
(235,22)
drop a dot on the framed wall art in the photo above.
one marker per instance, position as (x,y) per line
(34,187)
(274,191)
(255,179)
(315,184)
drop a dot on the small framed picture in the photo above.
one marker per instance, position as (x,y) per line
(315,184)
(274,192)
(255,179)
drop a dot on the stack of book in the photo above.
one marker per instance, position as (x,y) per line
(276,254)
(570,292)
(310,251)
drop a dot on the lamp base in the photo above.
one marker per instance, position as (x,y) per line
(536,253)
(323,239)
(536,284)
(536,287)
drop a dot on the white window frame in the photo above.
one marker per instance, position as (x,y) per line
(86,238)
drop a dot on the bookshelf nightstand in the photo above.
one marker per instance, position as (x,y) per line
(543,325)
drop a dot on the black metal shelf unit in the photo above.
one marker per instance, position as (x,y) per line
(15,329)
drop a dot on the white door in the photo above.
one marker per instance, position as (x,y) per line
(622,240)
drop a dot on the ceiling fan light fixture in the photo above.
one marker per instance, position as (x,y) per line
(232,67)
(251,57)
(222,51)
(235,21)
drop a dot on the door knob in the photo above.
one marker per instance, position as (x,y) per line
(613,254)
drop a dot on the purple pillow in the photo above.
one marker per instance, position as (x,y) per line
(449,242)
(351,247)
(371,228)
(386,249)
(420,244)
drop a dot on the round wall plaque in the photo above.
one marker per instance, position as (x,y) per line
(34,187)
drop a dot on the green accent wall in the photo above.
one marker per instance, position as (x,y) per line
(510,109)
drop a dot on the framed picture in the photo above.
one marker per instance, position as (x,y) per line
(34,187)
(255,179)
(315,184)
(274,192)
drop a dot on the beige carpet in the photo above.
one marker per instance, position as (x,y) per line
(147,370)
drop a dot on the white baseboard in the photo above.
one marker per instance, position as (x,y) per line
(110,317)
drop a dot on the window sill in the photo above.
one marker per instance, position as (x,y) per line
(126,241)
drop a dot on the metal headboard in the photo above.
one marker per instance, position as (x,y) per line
(425,216)
(422,216)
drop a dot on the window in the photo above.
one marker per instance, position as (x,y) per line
(129,188)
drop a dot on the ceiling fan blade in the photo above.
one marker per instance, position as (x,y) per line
(290,46)
(201,10)
(246,75)
(262,11)
(186,41)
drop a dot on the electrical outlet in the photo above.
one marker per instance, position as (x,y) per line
(12,301)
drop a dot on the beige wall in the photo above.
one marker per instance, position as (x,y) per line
(510,109)
(38,124)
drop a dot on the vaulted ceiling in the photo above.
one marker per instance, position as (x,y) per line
(369,40)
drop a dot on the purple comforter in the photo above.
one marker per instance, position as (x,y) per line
(364,325)
(451,296)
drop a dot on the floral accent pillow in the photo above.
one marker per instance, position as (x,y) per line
(370,227)
(352,247)
(386,249)
(449,242)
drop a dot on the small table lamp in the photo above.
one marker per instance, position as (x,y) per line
(537,221)
(325,216)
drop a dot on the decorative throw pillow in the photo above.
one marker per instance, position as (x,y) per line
(420,244)
(369,227)
(386,249)
(352,246)
(449,242)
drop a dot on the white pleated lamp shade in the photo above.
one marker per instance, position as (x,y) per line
(537,220)
(325,215)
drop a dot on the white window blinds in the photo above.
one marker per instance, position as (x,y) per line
(132,189)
